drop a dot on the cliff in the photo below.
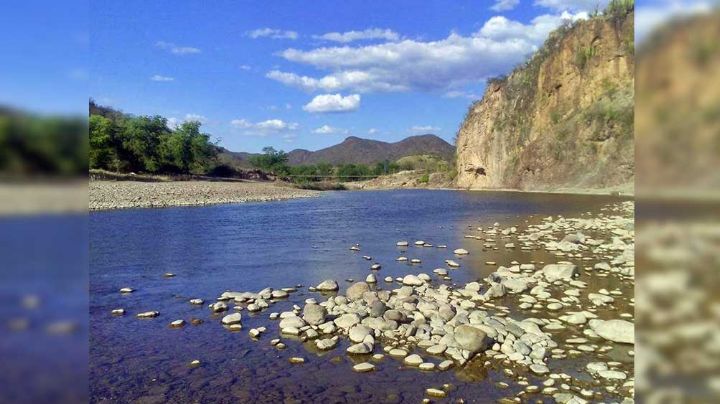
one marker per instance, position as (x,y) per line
(564,119)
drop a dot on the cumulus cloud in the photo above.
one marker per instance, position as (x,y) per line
(504,5)
(272,33)
(445,64)
(572,5)
(263,128)
(176,49)
(462,94)
(650,16)
(351,36)
(196,118)
(158,77)
(329,130)
(333,103)
(424,129)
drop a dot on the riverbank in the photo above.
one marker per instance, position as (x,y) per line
(105,195)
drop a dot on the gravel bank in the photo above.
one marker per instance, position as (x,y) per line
(132,194)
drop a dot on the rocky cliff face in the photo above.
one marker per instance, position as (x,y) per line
(562,120)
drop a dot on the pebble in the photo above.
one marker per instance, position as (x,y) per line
(364,367)
(296,359)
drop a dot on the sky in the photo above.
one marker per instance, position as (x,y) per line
(307,74)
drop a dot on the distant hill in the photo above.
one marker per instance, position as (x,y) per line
(366,151)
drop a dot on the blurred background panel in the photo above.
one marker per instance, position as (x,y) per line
(43,202)
(677,135)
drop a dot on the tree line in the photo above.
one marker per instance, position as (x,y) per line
(276,162)
(127,143)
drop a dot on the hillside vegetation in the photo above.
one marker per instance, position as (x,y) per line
(564,119)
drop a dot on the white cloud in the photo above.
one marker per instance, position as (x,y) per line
(195,117)
(173,123)
(573,5)
(158,77)
(462,94)
(444,65)
(263,128)
(650,16)
(424,129)
(333,103)
(245,67)
(272,33)
(176,49)
(329,130)
(373,131)
(504,5)
(350,36)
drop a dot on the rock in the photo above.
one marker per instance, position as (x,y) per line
(375,267)
(620,331)
(127,290)
(539,369)
(555,272)
(148,314)
(234,318)
(388,279)
(197,301)
(347,320)
(445,365)
(595,367)
(471,339)
(314,314)
(195,363)
(413,360)
(326,344)
(412,280)
(254,333)
(395,315)
(292,322)
(554,306)
(420,243)
(177,323)
(452,264)
(118,312)
(402,244)
(435,393)
(356,291)
(327,285)
(296,360)
(436,349)
(515,285)
(461,251)
(358,333)
(169,275)
(427,366)
(371,278)
(218,307)
(400,353)
(612,375)
(376,308)
(364,367)
(278,294)
(361,348)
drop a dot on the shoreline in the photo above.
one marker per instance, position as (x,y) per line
(107,195)
(115,195)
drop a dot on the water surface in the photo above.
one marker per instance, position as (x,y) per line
(247,247)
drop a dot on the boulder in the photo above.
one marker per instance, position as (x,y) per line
(620,331)
(356,291)
(471,339)
(314,314)
(327,285)
(555,272)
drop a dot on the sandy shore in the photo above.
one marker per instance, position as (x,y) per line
(133,194)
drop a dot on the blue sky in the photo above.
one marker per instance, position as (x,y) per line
(307,74)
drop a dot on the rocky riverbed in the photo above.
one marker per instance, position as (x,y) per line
(545,326)
(135,194)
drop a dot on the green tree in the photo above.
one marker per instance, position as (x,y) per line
(102,151)
(274,161)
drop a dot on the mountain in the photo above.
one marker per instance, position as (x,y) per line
(366,151)
(564,119)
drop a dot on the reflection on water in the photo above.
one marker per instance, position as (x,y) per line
(253,246)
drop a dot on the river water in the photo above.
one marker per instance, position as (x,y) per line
(247,247)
